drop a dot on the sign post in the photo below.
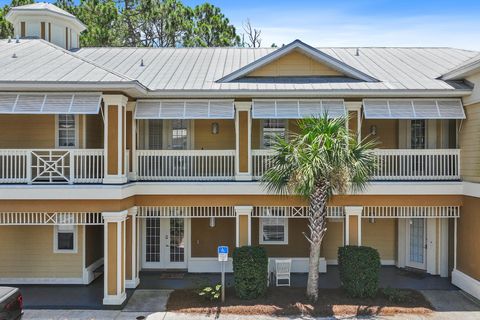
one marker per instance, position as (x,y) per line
(223,258)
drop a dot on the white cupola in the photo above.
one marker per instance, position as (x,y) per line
(46,21)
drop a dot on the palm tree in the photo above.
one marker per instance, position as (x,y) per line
(322,159)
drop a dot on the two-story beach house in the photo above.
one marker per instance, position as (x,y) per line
(149,158)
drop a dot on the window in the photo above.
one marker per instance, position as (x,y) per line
(67,131)
(65,240)
(274,230)
(418,134)
(272,128)
(179,134)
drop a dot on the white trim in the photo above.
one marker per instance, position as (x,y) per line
(42,280)
(133,283)
(115,300)
(88,272)
(353,211)
(75,240)
(105,192)
(211,264)
(285,231)
(466,283)
(243,176)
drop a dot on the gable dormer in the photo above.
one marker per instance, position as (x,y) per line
(48,22)
(295,63)
(297,59)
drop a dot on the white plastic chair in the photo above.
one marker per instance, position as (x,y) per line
(282,272)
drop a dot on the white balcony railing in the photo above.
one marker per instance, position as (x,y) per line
(51,166)
(415,164)
(394,164)
(185,165)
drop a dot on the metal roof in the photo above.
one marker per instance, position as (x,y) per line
(197,71)
(201,68)
(45,7)
(34,60)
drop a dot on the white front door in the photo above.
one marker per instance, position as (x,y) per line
(416,243)
(164,243)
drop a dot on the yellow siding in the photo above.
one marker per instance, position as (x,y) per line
(294,64)
(381,235)
(224,140)
(27,131)
(387,132)
(27,252)
(332,240)
(469,144)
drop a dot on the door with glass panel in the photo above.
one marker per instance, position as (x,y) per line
(418,134)
(165,243)
(416,243)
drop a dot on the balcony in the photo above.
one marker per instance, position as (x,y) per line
(394,164)
(51,166)
(185,165)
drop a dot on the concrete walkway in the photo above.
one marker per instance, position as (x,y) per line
(121,315)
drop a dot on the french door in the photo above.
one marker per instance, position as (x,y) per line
(416,243)
(164,243)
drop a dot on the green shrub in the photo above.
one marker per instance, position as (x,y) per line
(211,293)
(395,295)
(250,267)
(359,270)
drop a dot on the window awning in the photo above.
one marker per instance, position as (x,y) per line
(413,109)
(297,109)
(50,103)
(184,109)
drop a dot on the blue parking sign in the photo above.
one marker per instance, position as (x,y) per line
(222,253)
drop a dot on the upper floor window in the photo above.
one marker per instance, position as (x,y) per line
(271,128)
(67,131)
(418,136)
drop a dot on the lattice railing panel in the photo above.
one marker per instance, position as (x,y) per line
(51,218)
(185,212)
(411,212)
(293,212)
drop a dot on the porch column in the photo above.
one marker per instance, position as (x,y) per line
(354,111)
(243,130)
(131,141)
(243,225)
(353,226)
(131,238)
(114,277)
(115,138)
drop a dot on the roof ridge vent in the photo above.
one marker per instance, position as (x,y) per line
(141,63)
(357,52)
(14,55)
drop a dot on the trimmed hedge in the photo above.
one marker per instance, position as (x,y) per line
(250,267)
(359,270)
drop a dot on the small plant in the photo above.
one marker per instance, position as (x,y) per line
(395,295)
(211,293)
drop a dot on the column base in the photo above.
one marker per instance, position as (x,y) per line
(132,284)
(115,180)
(243,177)
(114,300)
(132,176)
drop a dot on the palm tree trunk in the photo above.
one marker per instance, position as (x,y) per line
(317,226)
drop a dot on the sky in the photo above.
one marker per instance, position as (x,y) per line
(358,23)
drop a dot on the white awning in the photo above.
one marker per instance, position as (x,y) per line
(413,109)
(184,109)
(297,109)
(50,103)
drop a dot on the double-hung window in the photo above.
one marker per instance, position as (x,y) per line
(274,230)
(67,131)
(272,128)
(65,238)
